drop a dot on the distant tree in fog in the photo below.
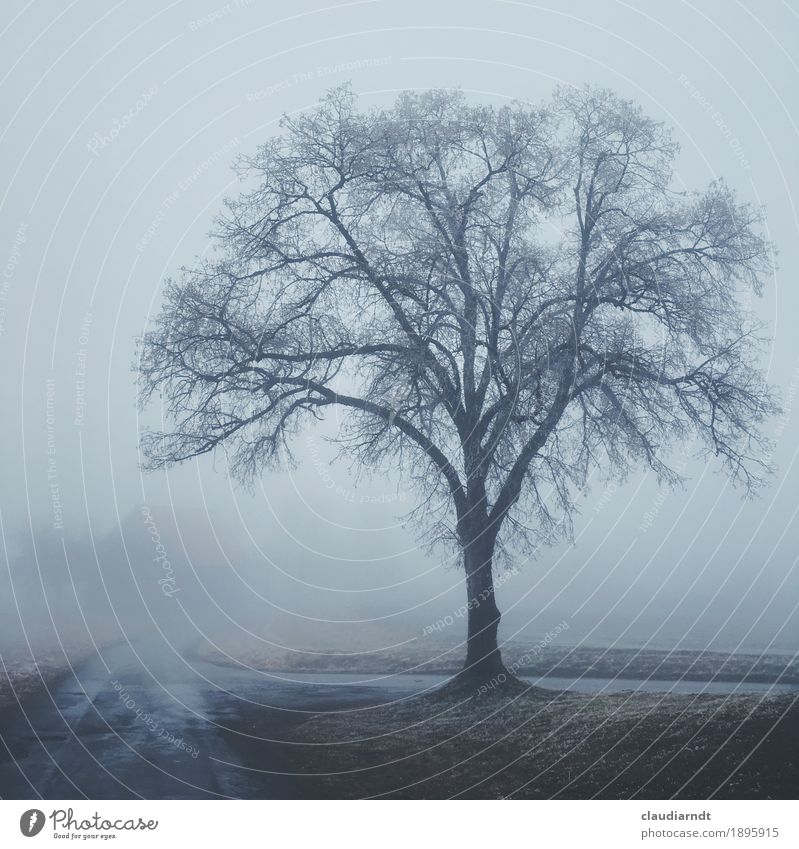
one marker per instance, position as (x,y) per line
(500,298)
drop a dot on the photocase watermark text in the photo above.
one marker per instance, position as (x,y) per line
(52,463)
(528,657)
(183,185)
(446,621)
(151,722)
(718,119)
(167,581)
(219,13)
(314,74)
(100,141)
(80,370)
(10,267)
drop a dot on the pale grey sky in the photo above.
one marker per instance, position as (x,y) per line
(121,122)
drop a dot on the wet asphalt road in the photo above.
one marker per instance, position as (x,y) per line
(163,725)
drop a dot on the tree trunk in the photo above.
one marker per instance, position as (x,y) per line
(483,659)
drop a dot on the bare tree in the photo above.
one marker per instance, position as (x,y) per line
(502,298)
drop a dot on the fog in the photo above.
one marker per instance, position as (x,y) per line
(122,123)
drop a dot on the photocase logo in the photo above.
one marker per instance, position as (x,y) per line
(31,822)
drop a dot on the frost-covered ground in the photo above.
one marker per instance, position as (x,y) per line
(525,659)
(544,745)
(23,673)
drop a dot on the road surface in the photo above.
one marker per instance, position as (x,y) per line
(152,722)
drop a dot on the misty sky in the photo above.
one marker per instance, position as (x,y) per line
(120,125)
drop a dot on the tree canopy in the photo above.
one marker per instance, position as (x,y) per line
(501,298)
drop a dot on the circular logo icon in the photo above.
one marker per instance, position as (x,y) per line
(31,822)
